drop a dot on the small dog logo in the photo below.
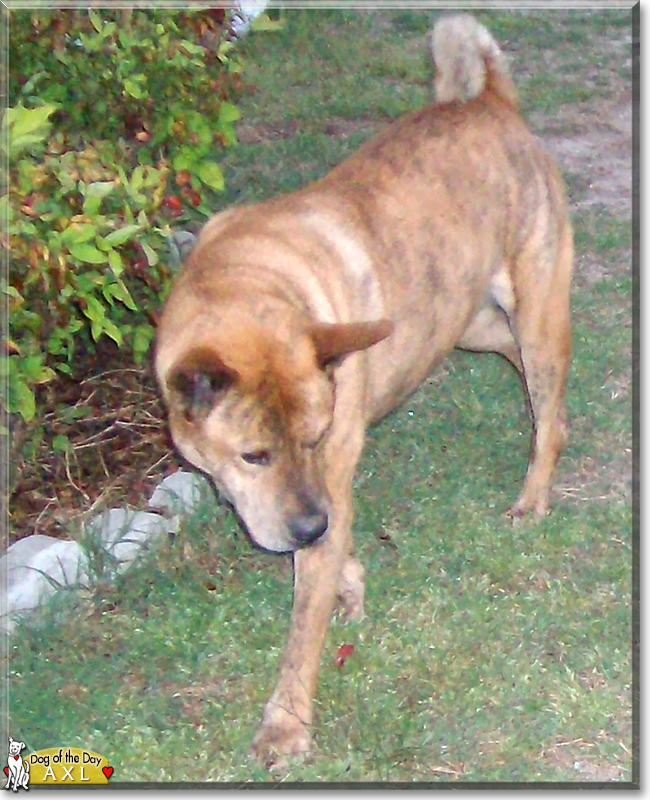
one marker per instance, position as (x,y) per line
(17,770)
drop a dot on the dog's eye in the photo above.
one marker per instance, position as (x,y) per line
(260,458)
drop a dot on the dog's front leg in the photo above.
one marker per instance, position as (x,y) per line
(285,728)
(288,714)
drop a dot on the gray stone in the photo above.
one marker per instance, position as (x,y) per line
(21,552)
(181,244)
(33,568)
(124,533)
(179,493)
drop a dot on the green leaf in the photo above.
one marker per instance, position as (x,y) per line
(34,371)
(210,173)
(95,20)
(94,310)
(142,338)
(228,113)
(128,214)
(60,443)
(150,253)
(115,262)
(192,49)
(96,328)
(94,193)
(88,253)
(23,401)
(185,159)
(224,48)
(132,89)
(119,291)
(19,143)
(20,397)
(29,87)
(152,177)
(6,213)
(102,244)
(121,235)
(111,330)
(12,292)
(77,233)
(20,120)
(137,178)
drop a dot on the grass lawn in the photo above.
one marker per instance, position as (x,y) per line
(489,652)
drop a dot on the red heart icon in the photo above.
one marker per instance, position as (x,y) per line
(108,771)
(16,757)
(6,770)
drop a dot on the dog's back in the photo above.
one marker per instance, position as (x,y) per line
(443,203)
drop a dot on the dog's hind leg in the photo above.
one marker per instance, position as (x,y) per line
(489,332)
(542,328)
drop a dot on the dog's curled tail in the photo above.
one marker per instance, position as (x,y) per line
(468,61)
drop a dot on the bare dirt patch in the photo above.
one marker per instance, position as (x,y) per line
(581,758)
(264,133)
(335,127)
(585,765)
(602,153)
(117,449)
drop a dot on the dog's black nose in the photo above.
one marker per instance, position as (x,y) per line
(307,528)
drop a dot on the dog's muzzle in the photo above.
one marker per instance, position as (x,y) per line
(308,528)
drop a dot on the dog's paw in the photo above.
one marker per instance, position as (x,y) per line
(280,739)
(350,608)
(522,510)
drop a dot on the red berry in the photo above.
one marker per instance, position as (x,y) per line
(191,196)
(173,202)
(183,178)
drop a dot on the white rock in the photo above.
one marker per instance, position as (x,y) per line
(33,568)
(242,19)
(20,554)
(110,526)
(124,533)
(179,493)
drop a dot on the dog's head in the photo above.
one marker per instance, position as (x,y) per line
(252,409)
(15,747)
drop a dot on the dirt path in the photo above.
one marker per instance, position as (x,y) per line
(602,153)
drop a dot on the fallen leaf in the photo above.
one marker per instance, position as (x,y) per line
(343,653)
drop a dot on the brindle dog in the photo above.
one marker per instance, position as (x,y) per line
(299,321)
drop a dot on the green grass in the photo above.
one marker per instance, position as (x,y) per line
(490,652)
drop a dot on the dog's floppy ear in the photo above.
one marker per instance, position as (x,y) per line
(197,382)
(335,340)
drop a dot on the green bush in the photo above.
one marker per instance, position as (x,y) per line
(84,252)
(159,79)
(116,124)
